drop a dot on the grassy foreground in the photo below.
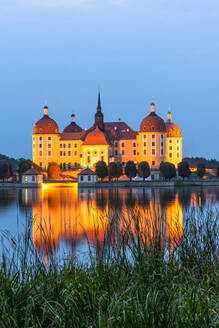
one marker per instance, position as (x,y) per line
(136,281)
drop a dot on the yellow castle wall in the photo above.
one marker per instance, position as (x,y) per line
(45,149)
(155,153)
(174,150)
(93,154)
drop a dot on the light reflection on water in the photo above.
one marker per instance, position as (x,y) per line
(64,220)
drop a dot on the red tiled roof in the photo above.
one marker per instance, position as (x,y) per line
(87,172)
(96,137)
(45,125)
(119,131)
(71,135)
(153,123)
(173,130)
(72,127)
(32,172)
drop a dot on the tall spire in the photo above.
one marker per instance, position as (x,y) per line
(99,101)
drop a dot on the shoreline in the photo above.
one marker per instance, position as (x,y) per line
(112,184)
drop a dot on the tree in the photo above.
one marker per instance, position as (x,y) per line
(5,171)
(217,171)
(53,171)
(112,170)
(25,165)
(184,170)
(167,170)
(144,170)
(200,170)
(119,170)
(101,170)
(130,170)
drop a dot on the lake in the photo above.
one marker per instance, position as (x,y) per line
(71,221)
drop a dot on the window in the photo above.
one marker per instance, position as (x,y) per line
(41,153)
(40,145)
(123,145)
(69,165)
(177,148)
(123,152)
(76,153)
(88,159)
(170,148)
(41,164)
(144,136)
(177,141)
(153,151)
(153,136)
(33,178)
(161,136)
(69,145)
(49,138)
(145,144)
(161,152)
(49,145)
(49,153)
(40,138)
(162,144)
(153,162)
(89,178)
(170,141)
(145,153)
(116,152)
(171,155)
(33,138)
(64,166)
(64,145)
(63,153)
(69,153)
(26,178)
(134,144)
(153,144)
(82,178)
(60,153)
(134,152)
(102,158)
(75,145)
(177,155)
(60,145)
(116,144)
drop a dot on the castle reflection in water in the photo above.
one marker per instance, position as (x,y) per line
(77,216)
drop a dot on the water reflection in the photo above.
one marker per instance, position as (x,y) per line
(73,217)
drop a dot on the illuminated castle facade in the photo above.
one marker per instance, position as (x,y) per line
(156,141)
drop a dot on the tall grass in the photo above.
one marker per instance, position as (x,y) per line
(137,277)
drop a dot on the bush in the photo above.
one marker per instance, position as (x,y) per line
(53,171)
(184,170)
(101,170)
(167,170)
(130,170)
(5,171)
(144,170)
(200,170)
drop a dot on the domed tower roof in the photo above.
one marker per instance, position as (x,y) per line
(45,125)
(72,127)
(153,122)
(173,130)
(96,137)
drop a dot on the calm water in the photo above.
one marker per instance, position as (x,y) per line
(68,220)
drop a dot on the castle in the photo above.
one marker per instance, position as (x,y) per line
(156,141)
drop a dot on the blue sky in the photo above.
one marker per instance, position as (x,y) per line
(63,50)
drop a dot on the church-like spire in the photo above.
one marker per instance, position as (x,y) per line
(99,120)
(99,102)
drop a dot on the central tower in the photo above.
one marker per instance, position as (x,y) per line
(99,118)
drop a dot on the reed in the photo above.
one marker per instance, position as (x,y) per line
(137,276)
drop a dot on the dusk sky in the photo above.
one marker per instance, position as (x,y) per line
(61,51)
